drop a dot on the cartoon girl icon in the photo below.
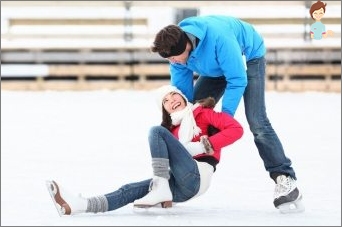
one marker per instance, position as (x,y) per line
(317,12)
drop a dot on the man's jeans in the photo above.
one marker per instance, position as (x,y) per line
(184,175)
(269,146)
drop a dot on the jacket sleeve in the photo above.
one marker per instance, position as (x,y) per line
(230,129)
(231,62)
(183,79)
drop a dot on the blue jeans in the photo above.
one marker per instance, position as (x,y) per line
(269,146)
(184,175)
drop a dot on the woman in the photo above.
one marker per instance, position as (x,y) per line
(184,158)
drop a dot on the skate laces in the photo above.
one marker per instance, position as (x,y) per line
(153,184)
(284,186)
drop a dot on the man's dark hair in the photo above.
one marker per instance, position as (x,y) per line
(170,41)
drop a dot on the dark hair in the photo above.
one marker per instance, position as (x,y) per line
(207,102)
(317,6)
(170,41)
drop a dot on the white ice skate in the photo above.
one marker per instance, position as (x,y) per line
(159,193)
(56,198)
(65,202)
(287,197)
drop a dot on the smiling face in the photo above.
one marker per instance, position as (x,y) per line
(318,14)
(173,102)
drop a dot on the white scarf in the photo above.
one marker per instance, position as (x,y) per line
(188,128)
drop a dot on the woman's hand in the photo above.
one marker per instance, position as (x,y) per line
(207,145)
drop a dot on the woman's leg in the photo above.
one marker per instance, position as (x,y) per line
(127,194)
(68,203)
(185,179)
(170,156)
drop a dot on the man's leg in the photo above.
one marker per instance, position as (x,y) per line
(209,87)
(269,146)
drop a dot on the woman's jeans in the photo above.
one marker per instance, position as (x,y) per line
(269,146)
(184,175)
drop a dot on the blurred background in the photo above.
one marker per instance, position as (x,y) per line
(93,45)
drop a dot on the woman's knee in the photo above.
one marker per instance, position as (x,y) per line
(156,130)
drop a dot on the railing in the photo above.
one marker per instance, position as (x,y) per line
(109,47)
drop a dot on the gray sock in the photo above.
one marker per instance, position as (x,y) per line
(97,204)
(161,167)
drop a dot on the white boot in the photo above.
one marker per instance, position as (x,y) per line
(159,193)
(65,202)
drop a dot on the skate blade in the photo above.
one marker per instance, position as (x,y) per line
(292,207)
(52,189)
(152,210)
(140,206)
(166,204)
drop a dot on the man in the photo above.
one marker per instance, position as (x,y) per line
(228,54)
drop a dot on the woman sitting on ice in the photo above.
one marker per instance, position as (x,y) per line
(184,158)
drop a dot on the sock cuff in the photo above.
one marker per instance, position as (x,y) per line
(161,167)
(97,204)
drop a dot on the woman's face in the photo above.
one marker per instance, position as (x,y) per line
(173,102)
(318,14)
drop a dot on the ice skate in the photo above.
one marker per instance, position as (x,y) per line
(65,203)
(287,197)
(296,206)
(159,193)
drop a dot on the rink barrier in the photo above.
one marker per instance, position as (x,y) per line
(118,57)
(286,77)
